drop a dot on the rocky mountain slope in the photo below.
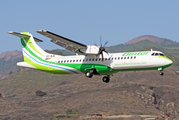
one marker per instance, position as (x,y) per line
(10,55)
(8,62)
(146,37)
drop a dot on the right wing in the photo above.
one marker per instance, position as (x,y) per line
(64,42)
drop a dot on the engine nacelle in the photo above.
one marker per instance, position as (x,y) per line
(91,50)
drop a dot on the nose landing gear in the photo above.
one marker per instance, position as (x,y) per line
(161,73)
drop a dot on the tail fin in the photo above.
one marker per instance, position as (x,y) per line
(29,47)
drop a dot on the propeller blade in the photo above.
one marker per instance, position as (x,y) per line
(96,45)
(102,57)
(106,51)
(105,43)
(98,53)
(100,42)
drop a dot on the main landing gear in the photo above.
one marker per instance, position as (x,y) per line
(106,79)
(90,73)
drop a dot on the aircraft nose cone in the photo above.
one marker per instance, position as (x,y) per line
(169,62)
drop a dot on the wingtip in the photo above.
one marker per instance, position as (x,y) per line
(10,32)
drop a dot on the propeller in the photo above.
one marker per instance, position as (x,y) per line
(101,49)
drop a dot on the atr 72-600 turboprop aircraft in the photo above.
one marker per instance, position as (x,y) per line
(94,60)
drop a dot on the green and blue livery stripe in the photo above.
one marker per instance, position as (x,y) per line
(48,64)
(26,48)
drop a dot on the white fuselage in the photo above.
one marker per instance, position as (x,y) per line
(121,61)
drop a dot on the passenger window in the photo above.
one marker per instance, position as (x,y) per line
(134,57)
(108,58)
(92,59)
(131,57)
(86,59)
(121,57)
(115,58)
(73,60)
(124,57)
(80,60)
(96,59)
(65,61)
(70,60)
(83,60)
(127,57)
(118,58)
(76,60)
(112,59)
(62,61)
(89,59)
(99,59)
(58,61)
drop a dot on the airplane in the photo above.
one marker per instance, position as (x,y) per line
(89,60)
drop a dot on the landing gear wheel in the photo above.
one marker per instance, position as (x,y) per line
(161,73)
(106,79)
(89,74)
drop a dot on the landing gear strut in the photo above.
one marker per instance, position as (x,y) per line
(161,71)
(106,79)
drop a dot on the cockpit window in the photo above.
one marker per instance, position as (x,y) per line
(161,54)
(157,54)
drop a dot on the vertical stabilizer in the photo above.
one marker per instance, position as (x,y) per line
(29,48)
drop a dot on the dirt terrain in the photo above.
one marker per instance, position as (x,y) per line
(142,93)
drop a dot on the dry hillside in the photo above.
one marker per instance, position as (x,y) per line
(145,92)
(11,55)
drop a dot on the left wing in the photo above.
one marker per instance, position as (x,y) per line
(64,42)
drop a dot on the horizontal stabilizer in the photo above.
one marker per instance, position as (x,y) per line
(24,64)
(23,35)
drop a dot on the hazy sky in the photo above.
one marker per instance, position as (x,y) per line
(117,21)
